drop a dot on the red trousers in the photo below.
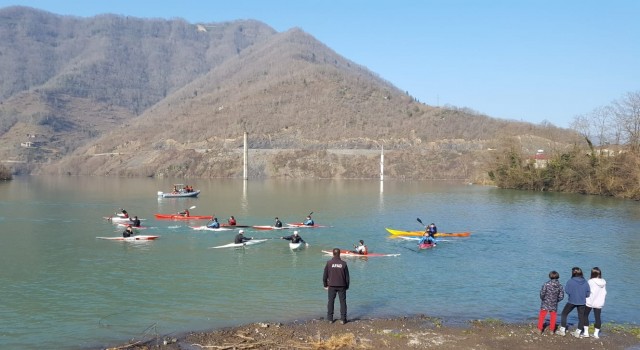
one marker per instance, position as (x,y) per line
(552,321)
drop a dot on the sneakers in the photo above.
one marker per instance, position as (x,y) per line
(586,335)
(576,333)
(561,331)
(343,321)
(330,321)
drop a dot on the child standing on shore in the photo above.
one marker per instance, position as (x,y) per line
(551,293)
(595,301)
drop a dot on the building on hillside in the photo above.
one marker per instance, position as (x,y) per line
(33,141)
(539,160)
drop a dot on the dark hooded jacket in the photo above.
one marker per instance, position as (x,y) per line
(577,288)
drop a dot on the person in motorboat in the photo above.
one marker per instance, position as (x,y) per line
(240,238)
(427,239)
(295,238)
(128,232)
(214,223)
(308,221)
(231,221)
(185,213)
(432,230)
(361,248)
(135,222)
(278,223)
(122,213)
(175,189)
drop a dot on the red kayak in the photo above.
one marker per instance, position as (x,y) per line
(426,245)
(352,253)
(267,227)
(182,217)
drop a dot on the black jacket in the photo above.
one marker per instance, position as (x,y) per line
(240,238)
(294,239)
(336,273)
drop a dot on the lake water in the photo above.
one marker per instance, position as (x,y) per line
(62,288)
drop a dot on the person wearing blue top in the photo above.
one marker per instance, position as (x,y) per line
(214,223)
(308,221)
(577,288)
(427,238)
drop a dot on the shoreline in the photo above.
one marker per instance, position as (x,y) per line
(415,332)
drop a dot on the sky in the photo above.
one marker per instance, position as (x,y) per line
(537,61)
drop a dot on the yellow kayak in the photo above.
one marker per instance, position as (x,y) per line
(420,233)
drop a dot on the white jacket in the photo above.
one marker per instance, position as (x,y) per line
(598,286)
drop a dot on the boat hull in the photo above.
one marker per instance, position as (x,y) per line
(353,254)
(421,233)
(178,194)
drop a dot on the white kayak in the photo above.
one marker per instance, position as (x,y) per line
(130,239)
(119,219)
(237,245)
(296,246)
(205,228)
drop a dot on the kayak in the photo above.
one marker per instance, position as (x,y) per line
(421,233)
(118,219)
(182,217)
(296,246)
(350,253)
(130,239)
(237,245)
(258,227)
(205,228)
(426,245)
(301,225)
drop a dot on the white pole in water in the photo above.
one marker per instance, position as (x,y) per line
(246,156)
(381,163)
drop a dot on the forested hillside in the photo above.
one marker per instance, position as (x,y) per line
(114,95)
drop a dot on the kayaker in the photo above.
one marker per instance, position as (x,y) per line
(308,221)
(278,223)
(240,238)
(123,213)
(231,221)
(214,223)
(427,238)
(128,232)
(295,238)
(361,248)
(336,281)
(432,230)
(135,222)
(185,213)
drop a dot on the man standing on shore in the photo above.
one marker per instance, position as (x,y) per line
(336,281)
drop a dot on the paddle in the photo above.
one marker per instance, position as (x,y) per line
(420,221)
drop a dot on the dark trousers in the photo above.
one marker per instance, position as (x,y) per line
(596,313)
(581,315)
(342,296)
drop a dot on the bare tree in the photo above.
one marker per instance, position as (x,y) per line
(627,116)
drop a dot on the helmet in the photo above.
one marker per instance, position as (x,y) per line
(241,231)
(295,233)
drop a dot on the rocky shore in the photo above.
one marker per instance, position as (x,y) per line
(419,332)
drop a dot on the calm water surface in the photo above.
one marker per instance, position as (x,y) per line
(62,287)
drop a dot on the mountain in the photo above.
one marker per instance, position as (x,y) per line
(114,95)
